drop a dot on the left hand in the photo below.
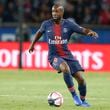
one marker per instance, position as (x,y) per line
(93,34)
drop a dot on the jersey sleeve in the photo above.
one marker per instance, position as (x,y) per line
(75,27)
(42,27)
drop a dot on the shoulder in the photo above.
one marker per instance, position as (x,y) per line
(46,22)
(71,21)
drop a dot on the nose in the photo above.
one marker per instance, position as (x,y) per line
(54,13)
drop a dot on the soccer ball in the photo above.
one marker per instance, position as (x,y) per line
(55,99)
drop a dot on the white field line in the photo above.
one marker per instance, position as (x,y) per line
(43,97)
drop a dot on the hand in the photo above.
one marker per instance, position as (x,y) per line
(93,34)
(31,49)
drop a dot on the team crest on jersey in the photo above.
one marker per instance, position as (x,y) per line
(65,30)
(55,60)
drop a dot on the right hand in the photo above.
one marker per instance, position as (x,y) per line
(31,49)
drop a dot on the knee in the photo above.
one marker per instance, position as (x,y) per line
(64,67)
(82,81)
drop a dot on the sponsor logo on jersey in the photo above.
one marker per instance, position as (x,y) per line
(58,40)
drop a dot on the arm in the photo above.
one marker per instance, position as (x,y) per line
(36,38)
(78,29)
(89,32)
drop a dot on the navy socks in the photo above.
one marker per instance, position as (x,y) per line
(69,82)
(82,91)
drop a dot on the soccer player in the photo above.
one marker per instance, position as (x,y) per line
(58,32)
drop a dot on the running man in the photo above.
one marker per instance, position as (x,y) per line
(58,32)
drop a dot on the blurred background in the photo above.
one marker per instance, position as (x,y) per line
(19,20)
(21,88)
(92,13)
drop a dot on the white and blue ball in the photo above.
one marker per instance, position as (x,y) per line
(55,99)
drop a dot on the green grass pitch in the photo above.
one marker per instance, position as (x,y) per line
(28,90)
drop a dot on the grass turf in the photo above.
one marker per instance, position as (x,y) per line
(28,90)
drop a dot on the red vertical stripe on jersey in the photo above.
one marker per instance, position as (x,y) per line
(57,32)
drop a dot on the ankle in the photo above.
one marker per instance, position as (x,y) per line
(82,98)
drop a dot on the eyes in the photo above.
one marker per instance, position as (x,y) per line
(54,11)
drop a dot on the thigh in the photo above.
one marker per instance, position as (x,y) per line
(56,63)
(80,77)
(74,67)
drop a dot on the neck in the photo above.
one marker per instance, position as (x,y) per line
(58,21)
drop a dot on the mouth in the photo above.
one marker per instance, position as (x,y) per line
(55,17)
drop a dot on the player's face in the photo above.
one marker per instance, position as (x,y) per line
(56,13)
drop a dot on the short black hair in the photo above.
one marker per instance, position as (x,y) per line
(59,5)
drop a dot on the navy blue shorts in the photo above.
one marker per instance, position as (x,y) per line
(73,64)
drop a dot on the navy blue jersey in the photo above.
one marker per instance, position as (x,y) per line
(58,36)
